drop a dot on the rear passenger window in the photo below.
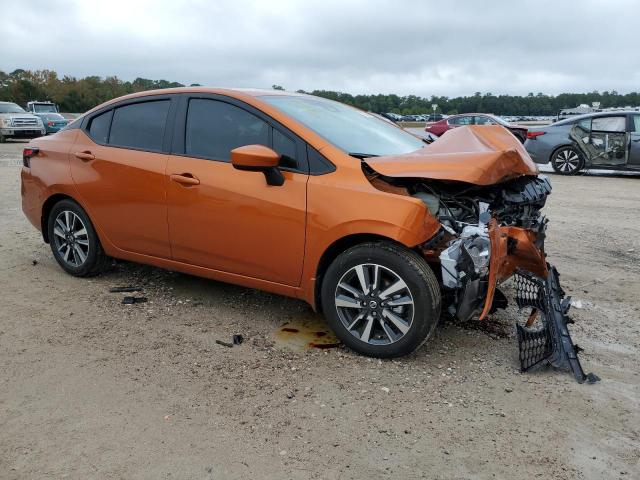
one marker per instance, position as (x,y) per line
(99,127)
(215,128)
(140,125)
(285,147)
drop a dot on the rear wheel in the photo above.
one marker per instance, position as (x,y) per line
(381,299)
(567,161)
(74,242)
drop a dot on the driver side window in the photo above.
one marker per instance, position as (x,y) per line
(214,128)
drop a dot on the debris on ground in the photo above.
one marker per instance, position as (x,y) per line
(125,289)
(224,344)
(132,300)
(238,339)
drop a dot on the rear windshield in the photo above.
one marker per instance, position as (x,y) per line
(352,130)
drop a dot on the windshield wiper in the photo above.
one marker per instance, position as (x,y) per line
(362,156)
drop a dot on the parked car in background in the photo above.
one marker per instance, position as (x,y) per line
(16,123)
(297,195)
(454,121)
(435,117)
(390,116)
(608,140)
(48,113)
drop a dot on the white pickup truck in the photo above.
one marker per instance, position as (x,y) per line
(15,122)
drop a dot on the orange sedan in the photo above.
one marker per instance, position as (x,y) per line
(297,195)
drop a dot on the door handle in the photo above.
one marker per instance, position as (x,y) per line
(185,179)
(85,156)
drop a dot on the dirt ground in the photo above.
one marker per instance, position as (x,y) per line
(93,389)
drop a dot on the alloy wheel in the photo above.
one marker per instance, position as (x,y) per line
(567,161)
(71,238)
(374,304)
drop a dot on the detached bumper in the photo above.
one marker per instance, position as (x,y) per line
(551,343)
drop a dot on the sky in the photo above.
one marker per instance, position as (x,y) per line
(451,48)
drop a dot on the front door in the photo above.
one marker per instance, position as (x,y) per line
(231,220)
(118,167)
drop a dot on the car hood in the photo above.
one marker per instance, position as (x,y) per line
(18,115)
(50,116)
(477,154)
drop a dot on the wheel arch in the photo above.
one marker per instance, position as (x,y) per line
(565,145)
(48,205)
(335,249)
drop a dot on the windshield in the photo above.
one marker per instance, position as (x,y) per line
(10,108)
(44,108)
(352,130)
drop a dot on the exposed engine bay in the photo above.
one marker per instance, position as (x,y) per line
(490,233)
(463,246)
(465,215)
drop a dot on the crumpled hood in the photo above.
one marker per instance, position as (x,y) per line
(477,154)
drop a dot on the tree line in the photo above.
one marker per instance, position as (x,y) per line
(81,94)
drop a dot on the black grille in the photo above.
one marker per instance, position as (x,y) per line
(549,343)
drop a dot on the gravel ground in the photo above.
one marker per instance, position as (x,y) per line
(90,388)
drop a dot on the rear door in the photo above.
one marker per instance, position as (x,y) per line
(634,152)
(118,165)
(607,143)
(227,219)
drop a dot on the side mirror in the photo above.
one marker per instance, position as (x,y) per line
(258,158)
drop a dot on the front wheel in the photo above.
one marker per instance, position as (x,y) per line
(381,299)
(567,161)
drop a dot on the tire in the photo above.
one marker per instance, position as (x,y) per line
(73,240)
(3,139)
(567,161)
(375,327)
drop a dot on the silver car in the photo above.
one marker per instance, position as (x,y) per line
(609,140)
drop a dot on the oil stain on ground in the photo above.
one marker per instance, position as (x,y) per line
(304,334)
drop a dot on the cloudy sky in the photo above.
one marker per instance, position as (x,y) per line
(406,47)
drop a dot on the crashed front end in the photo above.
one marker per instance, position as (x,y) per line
(485,191)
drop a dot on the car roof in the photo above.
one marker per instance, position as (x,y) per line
(231,92)
(254,92)
(573,118)
(472,113)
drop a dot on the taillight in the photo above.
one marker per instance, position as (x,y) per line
(532,135)
(51,124)
(27,153)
